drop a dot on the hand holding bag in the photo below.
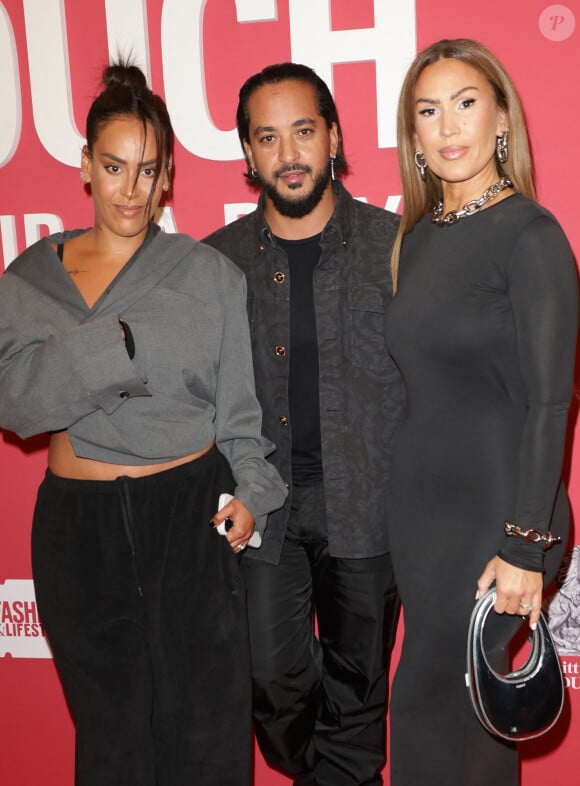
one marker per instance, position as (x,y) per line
(525,703)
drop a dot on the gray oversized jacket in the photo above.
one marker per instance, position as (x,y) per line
(65,366)
(361,394)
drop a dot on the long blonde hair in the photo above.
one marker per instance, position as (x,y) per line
(418,196)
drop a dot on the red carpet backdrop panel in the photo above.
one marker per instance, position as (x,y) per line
(196,54)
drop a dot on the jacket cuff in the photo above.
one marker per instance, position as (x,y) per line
(261,502)
(100,358)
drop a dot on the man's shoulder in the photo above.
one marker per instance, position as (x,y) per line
(240,241)
(366,212)
(363,217)
(369,225)
(242,229)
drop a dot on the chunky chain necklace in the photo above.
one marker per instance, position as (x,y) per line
(469,208)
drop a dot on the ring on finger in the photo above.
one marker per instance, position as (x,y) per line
(527,607)
(240,546)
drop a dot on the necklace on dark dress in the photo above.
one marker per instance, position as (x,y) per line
(469,208)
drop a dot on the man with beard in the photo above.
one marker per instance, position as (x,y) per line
(316,263)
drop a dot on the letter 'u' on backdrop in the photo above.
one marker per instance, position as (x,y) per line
(197,53)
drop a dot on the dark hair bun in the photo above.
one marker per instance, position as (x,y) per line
(124,75)
(126,93)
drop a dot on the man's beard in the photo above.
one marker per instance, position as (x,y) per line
(301,206)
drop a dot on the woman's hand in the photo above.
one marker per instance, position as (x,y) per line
(243,524)
(517,591)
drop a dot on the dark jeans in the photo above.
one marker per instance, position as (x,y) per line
(319,704)
(144,606)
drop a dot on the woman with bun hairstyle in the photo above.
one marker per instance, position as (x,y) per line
(131,347)
(483,328)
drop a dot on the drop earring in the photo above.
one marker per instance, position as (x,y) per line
(421,164)
(501,147)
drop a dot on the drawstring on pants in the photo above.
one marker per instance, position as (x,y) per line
(124,496)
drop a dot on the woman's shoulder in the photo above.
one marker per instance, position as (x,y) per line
(41,250)
(520,211)
(535,240)
(28,276)
(32,260)
(520,226)
(209,263)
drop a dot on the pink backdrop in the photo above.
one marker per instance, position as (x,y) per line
(197,53)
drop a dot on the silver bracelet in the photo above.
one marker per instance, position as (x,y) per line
(531,535)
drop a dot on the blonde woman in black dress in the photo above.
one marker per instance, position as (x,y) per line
(483,328)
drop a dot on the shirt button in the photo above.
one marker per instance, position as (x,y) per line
(279,277)
(123,394)
(280,351)
(283,420)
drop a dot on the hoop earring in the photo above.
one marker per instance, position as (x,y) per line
(332,172)
(501,147)
(253,173)
(421,164)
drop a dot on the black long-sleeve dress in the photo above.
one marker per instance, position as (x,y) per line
(483,329)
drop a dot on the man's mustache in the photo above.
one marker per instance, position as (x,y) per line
(292,168)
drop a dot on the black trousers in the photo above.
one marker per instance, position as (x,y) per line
(320,703)
(144,607)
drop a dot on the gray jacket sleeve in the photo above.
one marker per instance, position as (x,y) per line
(239,417)
(48,383)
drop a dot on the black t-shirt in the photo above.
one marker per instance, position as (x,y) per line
(303,396)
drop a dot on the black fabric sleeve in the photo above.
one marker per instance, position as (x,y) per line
(543,290)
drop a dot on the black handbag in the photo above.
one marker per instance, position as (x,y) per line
(525,703)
